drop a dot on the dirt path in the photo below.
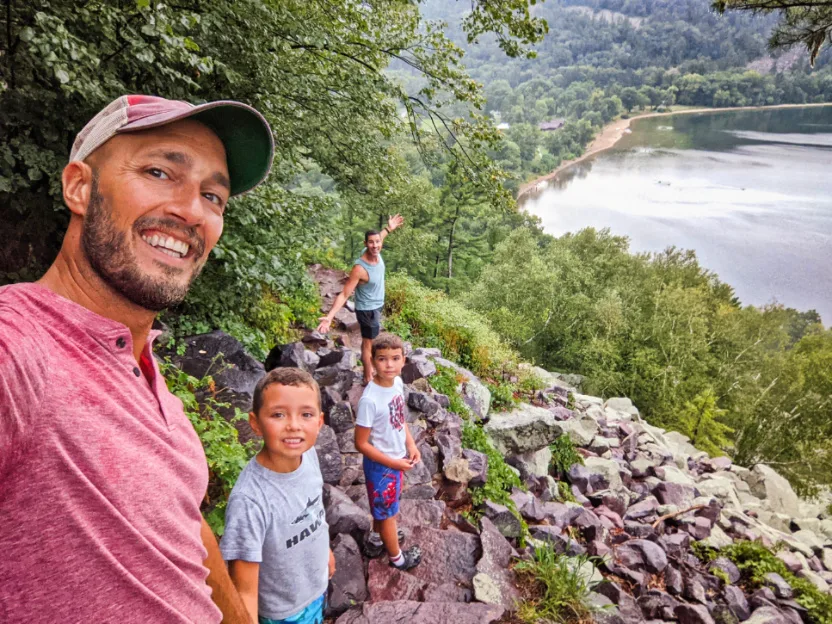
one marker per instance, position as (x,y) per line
(613,131)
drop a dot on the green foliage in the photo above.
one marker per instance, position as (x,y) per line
(564,455)
(809,23)
(438,321)
(225,454)
(755,561)
(446,382)
(565,492)
(502,396)
(561,592)
(700,419)
(501,478)
(750,380)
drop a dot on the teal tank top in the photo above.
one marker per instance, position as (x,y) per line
(370,295)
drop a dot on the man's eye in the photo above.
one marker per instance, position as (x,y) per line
(214,199)
(158,173)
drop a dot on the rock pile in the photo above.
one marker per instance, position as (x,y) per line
(643,497)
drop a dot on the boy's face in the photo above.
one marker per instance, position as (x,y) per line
(289,420)
(388,363)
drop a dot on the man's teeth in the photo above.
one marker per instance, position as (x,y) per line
(167,244)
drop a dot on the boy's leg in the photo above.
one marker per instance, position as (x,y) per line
(388,530)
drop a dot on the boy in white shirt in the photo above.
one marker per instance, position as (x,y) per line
(382,436)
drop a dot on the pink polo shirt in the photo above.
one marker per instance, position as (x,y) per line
(101,475)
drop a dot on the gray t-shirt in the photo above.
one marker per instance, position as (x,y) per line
(278,520)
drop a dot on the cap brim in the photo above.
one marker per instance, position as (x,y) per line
(245,134)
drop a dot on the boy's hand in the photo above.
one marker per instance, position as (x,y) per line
(331,563)
(402,464)
(415,455)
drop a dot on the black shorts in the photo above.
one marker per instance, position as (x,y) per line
(370,322)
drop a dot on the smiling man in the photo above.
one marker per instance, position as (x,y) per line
(101,473)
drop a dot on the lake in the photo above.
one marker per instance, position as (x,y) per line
(750,191)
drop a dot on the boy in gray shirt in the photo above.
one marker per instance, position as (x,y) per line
(276,537)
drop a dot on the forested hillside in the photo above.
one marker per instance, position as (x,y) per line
(602,58)
(374,112)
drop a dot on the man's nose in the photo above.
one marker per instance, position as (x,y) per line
(188,205)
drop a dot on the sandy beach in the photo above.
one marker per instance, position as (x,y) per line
(613,131)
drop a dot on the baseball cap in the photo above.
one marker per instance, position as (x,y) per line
(246,135)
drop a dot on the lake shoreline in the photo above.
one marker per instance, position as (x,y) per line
(615,130)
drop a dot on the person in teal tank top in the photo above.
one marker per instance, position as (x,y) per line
(366,280)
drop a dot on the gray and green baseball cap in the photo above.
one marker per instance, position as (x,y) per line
(246,135)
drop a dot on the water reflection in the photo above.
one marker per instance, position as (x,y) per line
(751,192)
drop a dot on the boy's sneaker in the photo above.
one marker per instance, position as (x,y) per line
(373,546)
(411,558)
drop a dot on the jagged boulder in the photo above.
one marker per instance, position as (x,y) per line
(349,588)
(778,494)
(329,455)
(527,428)
(423,613)
(343,515)
(234,371)
(494,582)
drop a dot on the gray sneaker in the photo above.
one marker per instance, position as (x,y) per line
(373,546)
(412,558)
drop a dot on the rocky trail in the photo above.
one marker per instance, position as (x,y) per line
(644,497)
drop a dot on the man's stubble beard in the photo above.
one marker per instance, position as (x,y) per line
(109,254)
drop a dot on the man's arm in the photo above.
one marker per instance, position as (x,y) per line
(392,223)
(223,592)
(246,576)
(362,444)
(357,273)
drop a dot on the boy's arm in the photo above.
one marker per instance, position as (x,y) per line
(412,449)
(362,444)
(245,575)
(223,592)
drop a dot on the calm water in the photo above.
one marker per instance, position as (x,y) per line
(750,191)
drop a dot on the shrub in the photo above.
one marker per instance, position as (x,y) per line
(564,455)
(434,320)
(226,455)
(755,561)
(561,590)
(446,381)
(502,396)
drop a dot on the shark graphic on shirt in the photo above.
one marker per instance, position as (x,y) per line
(310,503)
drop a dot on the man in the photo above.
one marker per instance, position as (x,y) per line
(101,473)
(367,281)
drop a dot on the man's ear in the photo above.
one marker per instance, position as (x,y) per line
(77,184)
(255,424)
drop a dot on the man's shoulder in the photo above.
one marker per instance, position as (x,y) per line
(20,331)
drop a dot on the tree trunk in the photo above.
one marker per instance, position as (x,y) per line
(451,252)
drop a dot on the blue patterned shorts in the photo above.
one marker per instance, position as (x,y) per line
(313,614)
(384,489)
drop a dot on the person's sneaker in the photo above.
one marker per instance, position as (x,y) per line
(373,546)
(412,557)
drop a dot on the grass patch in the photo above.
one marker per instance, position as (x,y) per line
(755,561)
(559,591)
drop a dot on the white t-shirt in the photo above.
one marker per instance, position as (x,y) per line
(383,410)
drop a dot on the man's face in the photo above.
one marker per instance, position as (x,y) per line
(373,244)
(155,211)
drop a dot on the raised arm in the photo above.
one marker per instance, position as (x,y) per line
(392,223)
(356,275)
